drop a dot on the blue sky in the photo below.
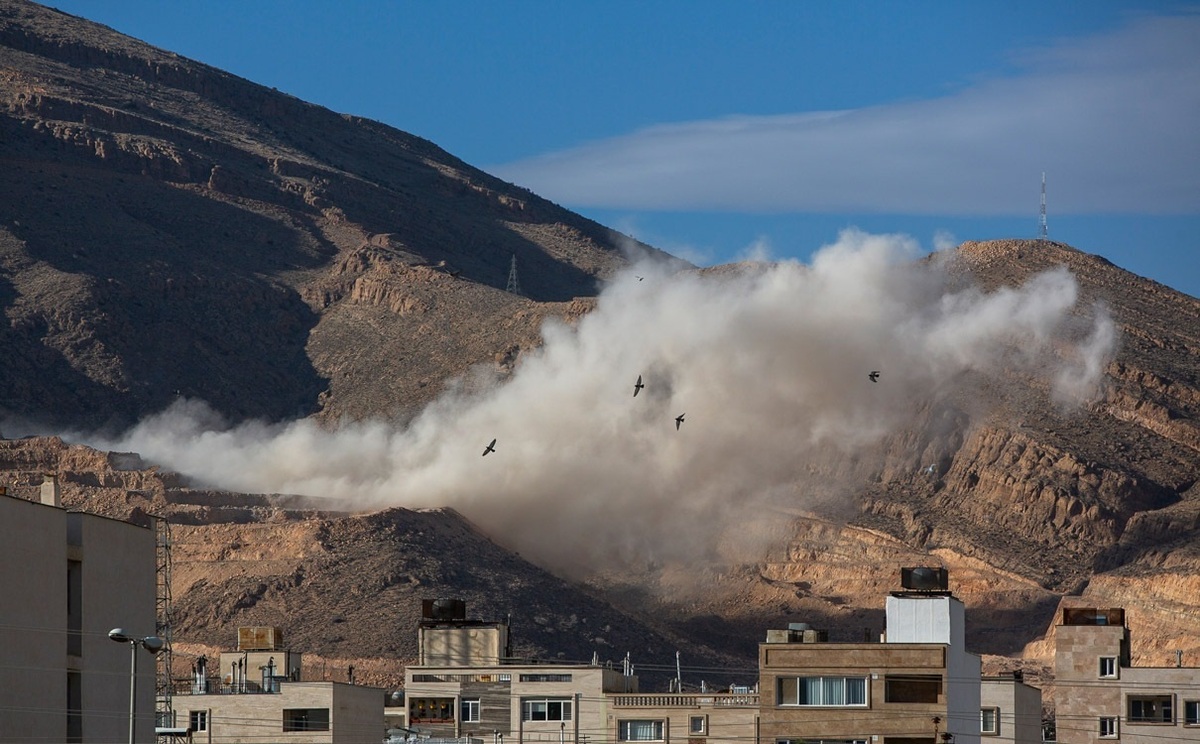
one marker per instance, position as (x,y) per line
(717,130)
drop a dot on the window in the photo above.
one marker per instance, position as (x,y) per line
(470,710)
(198,720)
(1108,728)
(306,719)
(822,691)
(545,678)
(551,709)
(1191,713)
(1150,709)
(640,731)
(431,709)
(989,721)
(912,688)
(697,725)
(1108,666)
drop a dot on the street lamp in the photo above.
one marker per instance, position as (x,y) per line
(153,644)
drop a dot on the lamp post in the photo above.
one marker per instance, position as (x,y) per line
(153,644)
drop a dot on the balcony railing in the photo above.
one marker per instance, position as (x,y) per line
(688,700)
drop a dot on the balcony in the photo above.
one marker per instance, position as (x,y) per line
(687,700)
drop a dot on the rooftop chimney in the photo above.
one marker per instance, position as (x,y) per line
(50,495)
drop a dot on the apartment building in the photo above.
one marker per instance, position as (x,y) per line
(918,686)
(67,579)
(467,685)
(255,693)
(1100,696)
(1010,710)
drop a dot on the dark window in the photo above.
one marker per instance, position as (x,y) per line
(1108,666)
(552,709)
(1108,728)
(912,688)
(74,706)
(198,720)
(74,608)
(306,719)
(545,678)
(470,710)
(1150,709)
(1191,712)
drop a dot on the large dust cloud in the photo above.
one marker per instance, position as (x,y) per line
(768,364)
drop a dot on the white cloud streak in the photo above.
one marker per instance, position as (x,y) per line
(1111,119)
(768,364)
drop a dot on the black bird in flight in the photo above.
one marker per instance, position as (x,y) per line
(874,376)
(637,386)
(639,278)
(490,448)
(679,420)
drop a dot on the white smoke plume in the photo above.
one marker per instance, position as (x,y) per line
(768,365)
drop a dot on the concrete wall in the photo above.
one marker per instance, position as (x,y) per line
(1019,707)
(355,714)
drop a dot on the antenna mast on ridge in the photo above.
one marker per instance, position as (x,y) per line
(1042,232)
(514,286)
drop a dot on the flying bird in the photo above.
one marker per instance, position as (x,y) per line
(679,420)
(637,386)
(929,470)
(639,278)
(874,376)
(490,448)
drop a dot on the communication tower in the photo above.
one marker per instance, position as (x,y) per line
(514,286)
(1042,232)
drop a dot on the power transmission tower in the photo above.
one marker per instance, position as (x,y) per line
(514,286)
(1042,232)
(162,624)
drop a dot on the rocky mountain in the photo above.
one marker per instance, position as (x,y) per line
(168,230)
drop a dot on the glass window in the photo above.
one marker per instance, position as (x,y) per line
(831,691)
(470,710)
(1191,712)
(989,720)
(548,709)
(1108,728)
(306,719)
(545,678)
(640,731)
(698,725)
(198,720)
(912,688)
(1150,709)
(1108,666)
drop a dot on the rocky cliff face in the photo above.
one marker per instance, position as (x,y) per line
(171,230)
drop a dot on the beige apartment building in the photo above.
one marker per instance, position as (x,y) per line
(468,686)
(255,694)
(1010,710)
(1100,696)
(918,685)
(66,580)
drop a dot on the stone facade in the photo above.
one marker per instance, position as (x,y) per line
(1101,697)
